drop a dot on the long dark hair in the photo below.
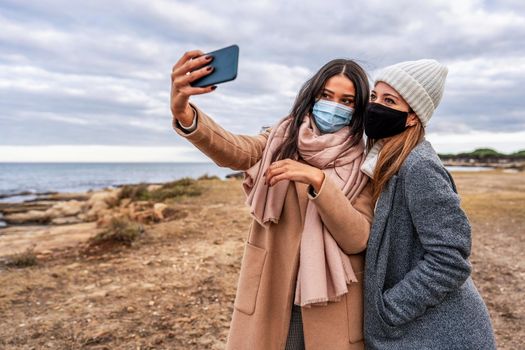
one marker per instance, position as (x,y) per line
(308,94)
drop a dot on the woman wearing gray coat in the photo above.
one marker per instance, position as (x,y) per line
(417,284)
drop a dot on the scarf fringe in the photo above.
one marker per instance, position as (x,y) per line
(323,301)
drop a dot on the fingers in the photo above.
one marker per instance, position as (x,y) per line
(189,91)
(191,65)
(186,57)
(287,169)
(277,178)
(274,170)
(181,85)
(197,74)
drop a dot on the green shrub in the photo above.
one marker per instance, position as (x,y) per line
(183,187)
(134,192)
(518,154)
(120,230)
(208,177)
(24,259)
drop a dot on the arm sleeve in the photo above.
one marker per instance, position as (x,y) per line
(349,223)
(237,152)
(192,127)
(444,232)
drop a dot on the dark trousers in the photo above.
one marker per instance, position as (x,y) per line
(295,339)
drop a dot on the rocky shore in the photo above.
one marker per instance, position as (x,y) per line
(85,214)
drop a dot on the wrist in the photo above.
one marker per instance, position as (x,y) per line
(318,179)
(188,118)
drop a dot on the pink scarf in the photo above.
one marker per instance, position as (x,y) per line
(324,270)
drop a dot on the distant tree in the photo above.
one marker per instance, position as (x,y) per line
(447,155)
(519,154)
(484,153)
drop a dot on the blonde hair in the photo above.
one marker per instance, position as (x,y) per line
(393,154)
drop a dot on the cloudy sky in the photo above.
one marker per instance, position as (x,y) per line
(90,80)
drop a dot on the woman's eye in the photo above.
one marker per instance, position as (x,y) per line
(372,97)
(324,95)
(389,101)
(347,102)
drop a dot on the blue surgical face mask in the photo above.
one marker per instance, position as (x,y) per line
(331,116)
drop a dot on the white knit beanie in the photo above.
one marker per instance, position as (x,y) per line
(420,83)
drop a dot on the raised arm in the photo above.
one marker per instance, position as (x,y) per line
(238,152)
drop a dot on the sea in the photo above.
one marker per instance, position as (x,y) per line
(35,178)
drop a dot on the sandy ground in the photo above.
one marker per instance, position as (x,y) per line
(174,287)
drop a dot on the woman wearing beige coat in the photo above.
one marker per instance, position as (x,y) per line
(300,284)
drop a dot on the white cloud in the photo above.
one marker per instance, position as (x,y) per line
(99,153)
(469,141)
(98,72)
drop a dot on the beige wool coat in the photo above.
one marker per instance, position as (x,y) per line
(266,286)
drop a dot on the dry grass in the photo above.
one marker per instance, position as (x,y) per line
(175,288)
(185,187)
(20,260)
(208,177)
(120,230)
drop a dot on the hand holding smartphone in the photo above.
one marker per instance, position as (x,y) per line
(225,62)
(197,73)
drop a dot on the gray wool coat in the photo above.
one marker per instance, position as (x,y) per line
(417,284)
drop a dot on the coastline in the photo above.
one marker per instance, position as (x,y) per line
(26,200)
(29,179)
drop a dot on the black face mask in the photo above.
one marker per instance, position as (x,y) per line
(382,121)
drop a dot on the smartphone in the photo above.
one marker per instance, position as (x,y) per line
(224,63)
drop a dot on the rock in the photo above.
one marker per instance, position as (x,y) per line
(95,210)
(148,286)
(73,265)
(142,211)
(104,221)
(105,217)
(68,220)
(124,203)
(32,216)
(63,209)
(162,211)
(152,188)
(13,208)
(110,197)
(63,196)
(97,294)
(99,202)
(158,208)
(145,217)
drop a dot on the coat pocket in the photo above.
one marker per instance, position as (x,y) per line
(249,278)
(354,309)
(390,330)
